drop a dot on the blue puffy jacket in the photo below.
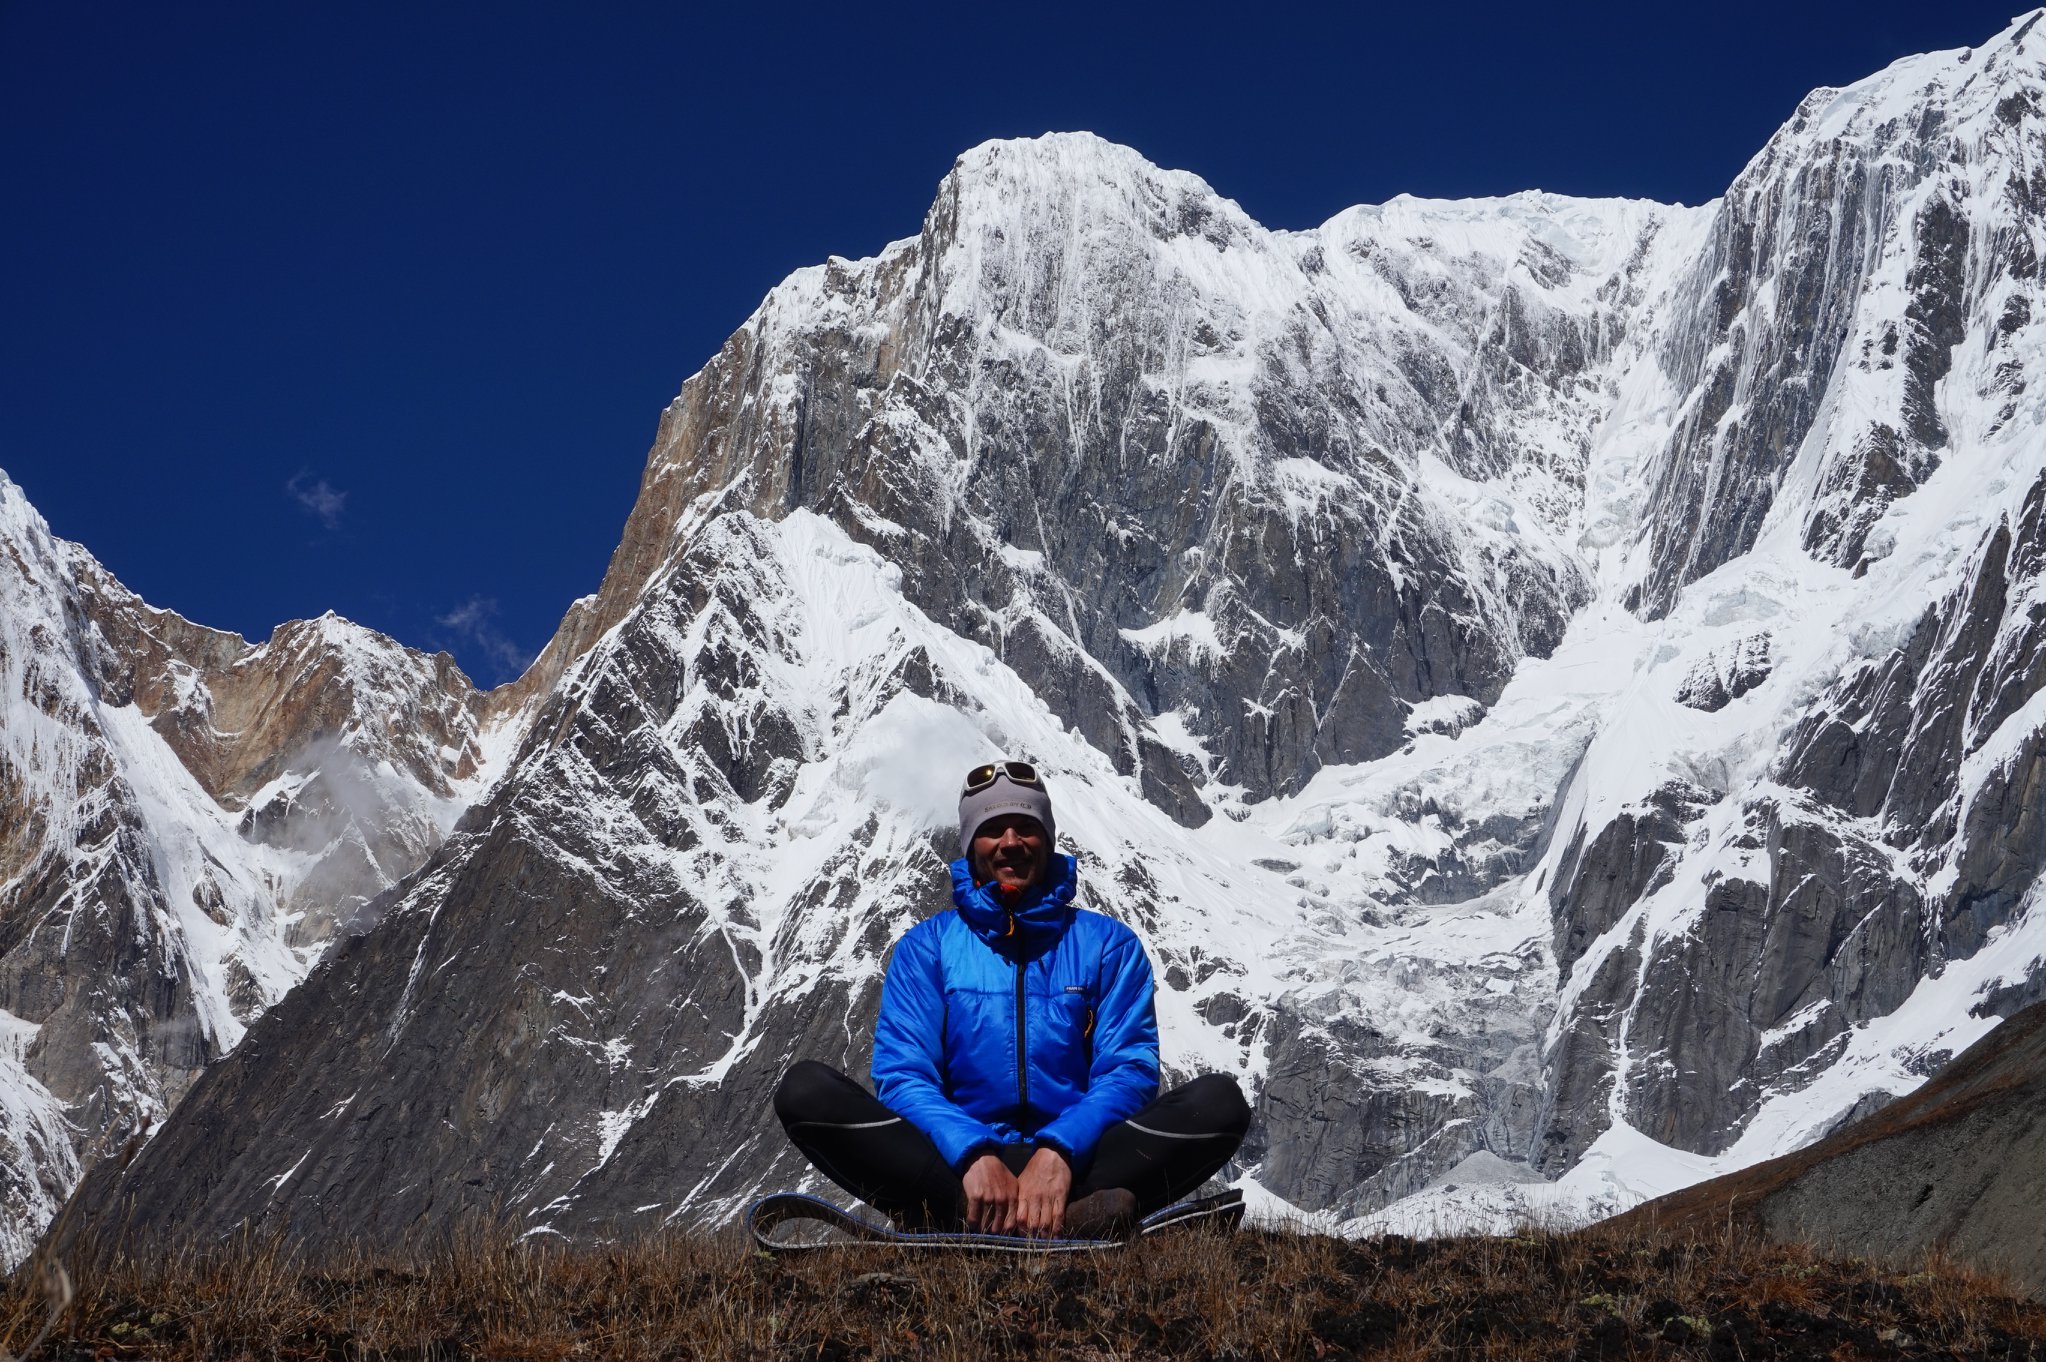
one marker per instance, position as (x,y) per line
(951,1054)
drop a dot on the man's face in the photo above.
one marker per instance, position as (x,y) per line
(1011,850)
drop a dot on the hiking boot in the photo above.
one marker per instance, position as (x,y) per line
(1110,1213)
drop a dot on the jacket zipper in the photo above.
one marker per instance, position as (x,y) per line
(1022,1055)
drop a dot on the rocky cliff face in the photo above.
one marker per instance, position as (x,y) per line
(1175,467)
(187,820)
(1549,679)
(1753,900)
(1096,469)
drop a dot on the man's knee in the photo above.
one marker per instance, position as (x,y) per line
(1220,1102)
(809,1091)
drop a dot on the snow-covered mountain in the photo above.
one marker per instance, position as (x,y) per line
(1551,680)
(185,822)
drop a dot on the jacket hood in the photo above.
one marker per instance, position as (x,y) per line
(1029,924)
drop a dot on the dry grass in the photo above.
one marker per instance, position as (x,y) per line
(1199,1295)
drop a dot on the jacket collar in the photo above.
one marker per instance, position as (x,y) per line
(1028,925)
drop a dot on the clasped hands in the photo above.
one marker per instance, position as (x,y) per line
(1031,1203)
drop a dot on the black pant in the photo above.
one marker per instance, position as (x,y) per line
(1160,1154)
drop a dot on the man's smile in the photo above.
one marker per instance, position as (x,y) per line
(1012,851)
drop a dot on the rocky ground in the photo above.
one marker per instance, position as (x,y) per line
(1253,1295)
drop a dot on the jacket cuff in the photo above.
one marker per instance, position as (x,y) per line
(974,1151)
(1047,1140)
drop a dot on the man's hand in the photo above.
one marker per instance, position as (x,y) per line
(991,1195)
(1041,1194)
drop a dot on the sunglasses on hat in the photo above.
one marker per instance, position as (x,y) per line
(1019,772)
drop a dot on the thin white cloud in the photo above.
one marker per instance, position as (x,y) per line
(474,621)
(323,501)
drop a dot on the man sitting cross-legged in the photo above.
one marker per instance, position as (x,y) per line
(1015,1056)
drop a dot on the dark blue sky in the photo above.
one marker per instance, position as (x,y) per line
(373,308)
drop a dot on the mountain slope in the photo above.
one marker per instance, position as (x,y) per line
(1797,824)
(1953,1167)
(1471,641)
(188,821)
(759,773)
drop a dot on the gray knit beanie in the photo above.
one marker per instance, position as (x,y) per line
(1003,796)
